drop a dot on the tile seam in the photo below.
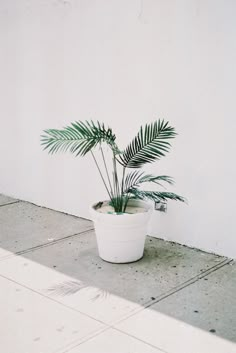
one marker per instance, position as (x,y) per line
(98,333)
(38,247)
(10,203)
(53,300)
(191,281)
(173,291)
(113,325)
(133,313)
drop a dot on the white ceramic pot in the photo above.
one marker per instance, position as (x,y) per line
(121,237)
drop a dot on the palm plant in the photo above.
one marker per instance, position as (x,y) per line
(150,144)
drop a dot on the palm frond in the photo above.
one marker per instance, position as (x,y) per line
(136,178)
(149,145)
(132,180)
(155,196)
(79,138)
(149,178)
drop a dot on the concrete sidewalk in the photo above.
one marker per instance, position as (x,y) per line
(58,296)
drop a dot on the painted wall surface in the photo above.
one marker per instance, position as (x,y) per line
(124,62)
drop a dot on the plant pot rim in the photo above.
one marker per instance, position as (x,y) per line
(137,203)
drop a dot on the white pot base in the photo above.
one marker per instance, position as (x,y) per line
(125,262)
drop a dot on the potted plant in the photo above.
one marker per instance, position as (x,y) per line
(121,222)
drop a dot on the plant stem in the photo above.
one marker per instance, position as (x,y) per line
(126,202)
(104,161)
(101,174)
(123,180)
(114,187)
(123,207)
(117,187)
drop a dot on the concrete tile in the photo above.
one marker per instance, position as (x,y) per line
(31,323)
(4,200)
(112,341)
(209,304)
(173,336)
(106,291)
(24,225)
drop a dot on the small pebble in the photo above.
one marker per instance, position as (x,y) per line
(20,310)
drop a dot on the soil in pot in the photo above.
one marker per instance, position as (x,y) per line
(106,208)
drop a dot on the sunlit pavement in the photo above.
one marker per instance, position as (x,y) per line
(58,296)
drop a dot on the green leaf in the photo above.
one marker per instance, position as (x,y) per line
(79,138)
(135,178)
(149,178)
(150,144)
(132,180)
(155,195)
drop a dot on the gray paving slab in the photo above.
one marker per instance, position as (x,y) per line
(31,323)
(168,301)
(24,225)
(209,304)
(4,200)
(72,272)
(164,266)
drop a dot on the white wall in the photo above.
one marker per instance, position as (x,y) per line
(124,62)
